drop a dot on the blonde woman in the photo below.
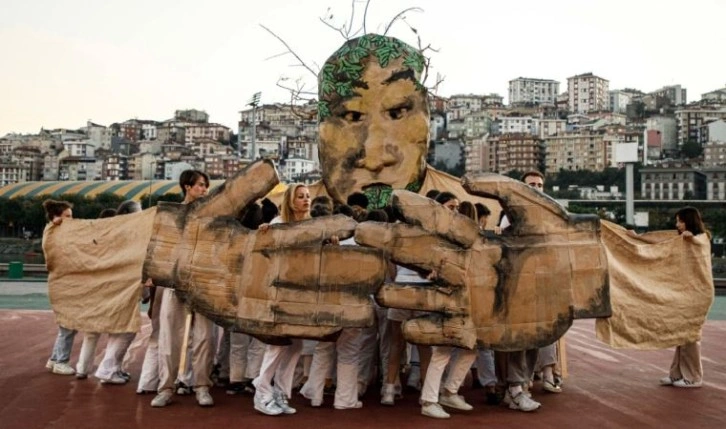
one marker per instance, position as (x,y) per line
(279,362)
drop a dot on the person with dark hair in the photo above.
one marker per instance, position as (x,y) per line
(467,209)
(448,200)
(358,199)
(194,182)
(109,371)
(107,213)
(319,210)
(377,215)
(172,314)
(128,206)
(432,194)
(344,209)
(686,368)
(534,179)
(321,205)
(55,212)
(482,215)
(90,339)
(269,210)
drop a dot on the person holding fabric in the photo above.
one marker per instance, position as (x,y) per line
(278,362)
(109,371)
(172,314)
(686,369)
(55,212)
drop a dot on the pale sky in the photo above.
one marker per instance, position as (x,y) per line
(63,62)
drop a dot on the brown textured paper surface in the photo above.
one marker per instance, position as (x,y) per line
(660,292)
(94,271)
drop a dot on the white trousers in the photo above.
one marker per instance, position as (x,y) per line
(245,357)
(116,349)
(88,352)
(348,348)
(149,378)
(440,357)
(278,363)
(172,316)
(375,345)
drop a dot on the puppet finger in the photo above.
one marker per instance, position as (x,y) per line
(248,185)
(433,217)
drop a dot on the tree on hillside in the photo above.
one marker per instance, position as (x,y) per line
(691,149)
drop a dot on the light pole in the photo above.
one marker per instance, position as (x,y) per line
(151,180)
(254,102)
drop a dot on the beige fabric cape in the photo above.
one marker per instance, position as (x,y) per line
(661,288)
(94,271)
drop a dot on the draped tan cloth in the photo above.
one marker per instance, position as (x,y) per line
(94,271)
(661,288)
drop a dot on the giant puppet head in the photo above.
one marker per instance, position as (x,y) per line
(374,119)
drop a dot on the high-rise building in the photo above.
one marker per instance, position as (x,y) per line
(523,90)
(587,93)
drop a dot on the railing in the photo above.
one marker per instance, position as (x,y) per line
(33,269)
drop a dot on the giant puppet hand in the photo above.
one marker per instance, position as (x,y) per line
(516,291)
(274,283)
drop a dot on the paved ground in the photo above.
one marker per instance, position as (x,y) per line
(606,388)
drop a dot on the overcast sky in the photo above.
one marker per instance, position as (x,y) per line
(65,62)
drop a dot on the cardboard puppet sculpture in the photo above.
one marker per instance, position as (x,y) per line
(513,292)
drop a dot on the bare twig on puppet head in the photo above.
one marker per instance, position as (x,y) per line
(291,51)
(298,95)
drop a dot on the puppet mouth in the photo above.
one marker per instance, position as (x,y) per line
(378,195)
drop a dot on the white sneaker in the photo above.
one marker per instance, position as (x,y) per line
(687,383)
(162,399)
(114,379)
(204,399)
(388,392)
(357,405)
(62,368)
(455,401)
(49,365)
(522,402)
(268,407)
(667,381)
(432,409)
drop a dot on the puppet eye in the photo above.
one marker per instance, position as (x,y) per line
(352,116)
(399,111)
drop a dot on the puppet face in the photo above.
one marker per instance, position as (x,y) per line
(376,139)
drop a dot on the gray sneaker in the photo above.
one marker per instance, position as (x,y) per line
(162,399)
(204,399)
(268,407)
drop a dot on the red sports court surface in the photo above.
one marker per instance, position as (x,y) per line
(606,388)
